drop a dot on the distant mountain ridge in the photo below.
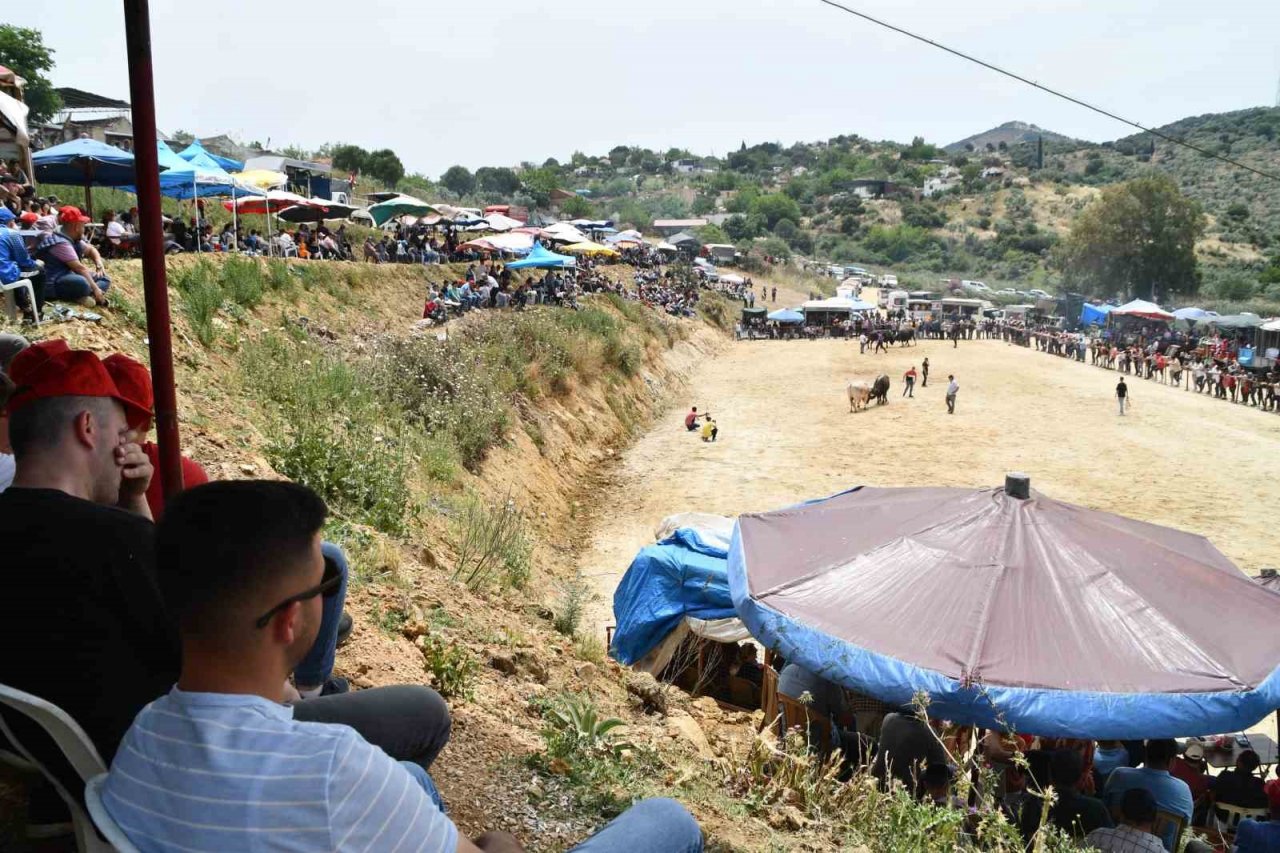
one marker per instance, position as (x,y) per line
(1010,133)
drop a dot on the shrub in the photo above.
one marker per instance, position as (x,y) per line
(491,540)
(201,299)
(452,668)
(574,595)
(242,281)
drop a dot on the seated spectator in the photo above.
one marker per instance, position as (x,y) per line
(1253,836)
(1170,794)
(227,239)
(117,237)
(79,472)
(16,263)
(221,763)
(66,276)
(1240,787)
(747,665)
(1107,756)
(936,787)
(1073,812)
(254,243)
(1134,833)
(1191,768)
(825,697)
(907,745)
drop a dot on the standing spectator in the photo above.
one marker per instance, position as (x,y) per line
(924,373)
(953,388)
(910,377)
(1122,394)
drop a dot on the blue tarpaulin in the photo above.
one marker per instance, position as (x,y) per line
(195,149)
(683,575)
(1090,314)
(787,315)
(540,258)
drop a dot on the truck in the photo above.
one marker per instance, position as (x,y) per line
(888,281)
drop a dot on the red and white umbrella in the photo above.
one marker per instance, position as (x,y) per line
(273,202)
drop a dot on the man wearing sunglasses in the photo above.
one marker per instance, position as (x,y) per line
(220,763)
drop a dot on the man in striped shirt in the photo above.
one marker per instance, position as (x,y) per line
(221,764)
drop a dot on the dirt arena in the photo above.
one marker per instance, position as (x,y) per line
(786,434)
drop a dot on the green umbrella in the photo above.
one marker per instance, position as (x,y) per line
(399,206)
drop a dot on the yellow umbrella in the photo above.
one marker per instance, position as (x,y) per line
(589,248)
(263,178)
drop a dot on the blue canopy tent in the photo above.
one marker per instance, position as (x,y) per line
(787,315)
(541,258)
(195,149)
(201,176)
(1010,609)
(1194,315)
(677,585)
(84,162)
(1094,314)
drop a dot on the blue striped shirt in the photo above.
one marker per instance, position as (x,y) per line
(218,772)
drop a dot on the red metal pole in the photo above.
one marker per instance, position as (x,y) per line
(137,29)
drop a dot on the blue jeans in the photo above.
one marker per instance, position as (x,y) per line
(424,779)
(73,286)
(317,666)
(654,826)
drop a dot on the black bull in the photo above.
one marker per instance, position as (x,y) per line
(880,390)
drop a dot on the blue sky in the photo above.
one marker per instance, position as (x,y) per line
(508,80)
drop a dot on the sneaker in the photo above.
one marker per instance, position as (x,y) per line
(345,624)
(335,686)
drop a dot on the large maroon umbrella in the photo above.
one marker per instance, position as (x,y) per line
(1053,618)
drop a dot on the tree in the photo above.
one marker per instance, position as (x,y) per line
(776,248)
(498,181)
(712,233)
(1138,239)
(577,208)
(385,166)
(23,52)
(539,183)
(350,158)
(776,206)
(786,229)
(458,180)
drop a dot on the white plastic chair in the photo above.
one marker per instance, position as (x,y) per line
(102,818)
(75,745)
(11,298)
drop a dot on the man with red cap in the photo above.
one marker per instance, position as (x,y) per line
(86,611)
(63,253)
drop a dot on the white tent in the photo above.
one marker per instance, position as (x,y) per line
(564,232)
(837,303)
(730,278)
(14,144)
(1142,308)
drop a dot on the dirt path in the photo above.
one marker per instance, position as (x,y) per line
(786,434)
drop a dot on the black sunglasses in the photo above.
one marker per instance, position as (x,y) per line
(328,587)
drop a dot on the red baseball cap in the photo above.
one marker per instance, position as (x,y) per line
(132,379)
(70,214)
(52,369)
(28,216)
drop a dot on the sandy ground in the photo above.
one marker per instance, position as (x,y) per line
(786,435)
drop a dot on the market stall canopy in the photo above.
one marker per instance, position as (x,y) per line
(1194,314)
(590,248)
(678,586)
(540,258)
(263,178)
(1055,619)
(317,210)
(787,315)
(684,238)
(501,222)
(1271,326)
(274,201)
(732,278)
(14,115)
(387,210)
(664,246)
(629,236)
(1142,308)
(516,242)
(195,150)
(592,224)
(564,232)
(84,162)
(201,176)
(1094,314)
(1236,321)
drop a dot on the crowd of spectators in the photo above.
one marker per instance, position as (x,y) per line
(193,639)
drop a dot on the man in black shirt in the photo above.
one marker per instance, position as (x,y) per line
(1122,394)
(1240,786)
(82,620)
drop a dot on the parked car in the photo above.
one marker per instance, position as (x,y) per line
(975,285)
(1008,291)
(1040,293)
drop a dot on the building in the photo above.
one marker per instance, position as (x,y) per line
(86,114)
(691,166)
(876,188)
(667,227)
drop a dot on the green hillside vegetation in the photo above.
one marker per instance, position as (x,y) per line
(1002,227)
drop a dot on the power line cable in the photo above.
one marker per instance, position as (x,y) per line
(1162,135)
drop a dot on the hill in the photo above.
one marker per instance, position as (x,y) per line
(1009,133)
